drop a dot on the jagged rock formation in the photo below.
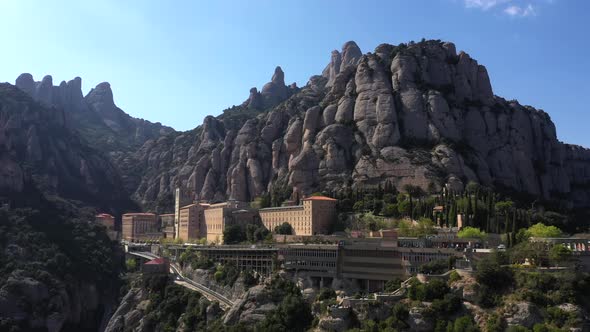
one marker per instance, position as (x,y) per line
(272,92)
(37,147)
(73,304)
(98,120)
(97,109)
(412,114)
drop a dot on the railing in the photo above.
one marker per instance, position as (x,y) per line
(187,282)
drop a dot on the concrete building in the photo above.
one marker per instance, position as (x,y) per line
(167,225)
(108,221)
(140,226)
(314,216)
(221,215)
(182,197)
(371,263)
(413,258)
(191,219)
(261,259)
(368,263)
(319,262)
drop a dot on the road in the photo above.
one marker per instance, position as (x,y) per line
(181,280)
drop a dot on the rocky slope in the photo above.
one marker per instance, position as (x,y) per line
(97,109)
(37,147)
(58,271)
(95,117)
(420,113)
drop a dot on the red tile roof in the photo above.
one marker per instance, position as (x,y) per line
(319,198)
(157,261)
(139,214)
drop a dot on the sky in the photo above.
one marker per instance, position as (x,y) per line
(175,62)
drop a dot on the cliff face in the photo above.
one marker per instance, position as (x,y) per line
(418,114)
(96,118)
(412,114)
(96,111)
(36,146)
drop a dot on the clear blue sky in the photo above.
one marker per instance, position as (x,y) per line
(177,61)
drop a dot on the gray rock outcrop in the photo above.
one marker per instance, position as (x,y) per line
(419,114)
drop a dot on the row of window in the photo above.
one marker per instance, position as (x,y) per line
(371,253)
(310,253)
(423,257)
(311,264)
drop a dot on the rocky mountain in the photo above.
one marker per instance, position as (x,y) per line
(95,115)
(96,118)
(39,150)
(417,113)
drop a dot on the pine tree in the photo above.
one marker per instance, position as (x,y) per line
(469,212)
(475,211)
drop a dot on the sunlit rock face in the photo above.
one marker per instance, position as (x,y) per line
(418,113)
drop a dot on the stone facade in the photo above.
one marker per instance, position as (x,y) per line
(191,217)
(140,226)
(314,216)
(220,215)
(106,220)
(167,225)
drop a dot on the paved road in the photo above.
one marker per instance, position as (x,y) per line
(187,282)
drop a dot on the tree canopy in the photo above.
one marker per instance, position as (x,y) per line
(471,233)
(541,230)
(284,229)
(234,234)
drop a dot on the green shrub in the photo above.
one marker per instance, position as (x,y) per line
(435,289)
(446,306)
(471,233)
(434,267)
(284,229)
(495,323)
(392,285)
(465,324)
(131,265)
(454,276)
(492,275)
(234,234)
(326,294)
(517,328)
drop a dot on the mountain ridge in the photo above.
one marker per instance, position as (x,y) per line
(40,154)
(416,113)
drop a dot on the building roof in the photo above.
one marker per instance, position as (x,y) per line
(167,215)
(157,261)
(104,215)
(290,207)
(320,198)
(242,211)
(195,204)
(130,214)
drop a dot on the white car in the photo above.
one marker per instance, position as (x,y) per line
(502,247)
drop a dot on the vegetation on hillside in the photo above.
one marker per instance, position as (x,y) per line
(61,249)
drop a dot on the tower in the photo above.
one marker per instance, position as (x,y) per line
(182,197)
(176,212)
